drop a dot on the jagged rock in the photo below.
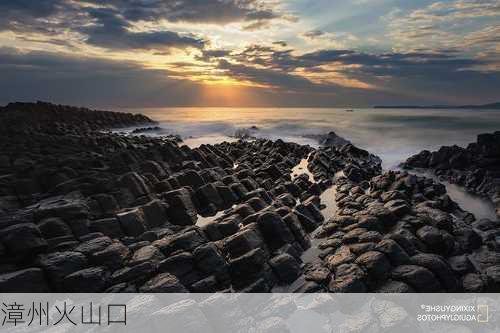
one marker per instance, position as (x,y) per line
(392,286)
(493,277)
(186,241)
(242,242)
(191,178)
(434,239)
(181,210)
(209,260)
(419,278)
(473,283)
(227,195)
(348,278)
(29,280)
(127,274)
(53,227)
(285,267)
(135,184)
(109,227)
(66,208)
(206,195)
(461,265)
(112,256)
(155,213)
(148,253)
(93,245)
(438,266)
(208,284)
(274,230)
(163,283)
(58,265)
(179,265)
(397,207)
(91,279)
(299,233)
(375,264)
(383,214)
(342,256)
(397,256)
(247,267)
(132,222)
(23,239)
(107,203)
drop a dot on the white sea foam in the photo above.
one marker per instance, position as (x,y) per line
(392,134)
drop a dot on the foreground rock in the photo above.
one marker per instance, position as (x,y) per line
(82,210)
(403,233)
(90,211)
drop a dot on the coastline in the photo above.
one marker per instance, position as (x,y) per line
(87,210)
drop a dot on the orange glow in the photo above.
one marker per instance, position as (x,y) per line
(228,94)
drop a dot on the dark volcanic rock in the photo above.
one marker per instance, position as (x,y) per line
(93,279)
(27,280)
(420,278)
(163,283)
(23,238)
(58,265)
(85,210)
(474,167)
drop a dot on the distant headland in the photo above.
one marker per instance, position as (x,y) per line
(482,106)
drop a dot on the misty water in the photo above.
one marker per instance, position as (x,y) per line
(392,134)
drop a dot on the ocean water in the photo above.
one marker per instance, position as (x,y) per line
(392,134)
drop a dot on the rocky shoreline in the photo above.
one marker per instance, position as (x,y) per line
(86,210)
(476,167)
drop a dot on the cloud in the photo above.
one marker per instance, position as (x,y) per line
(426,74)
(266,77)
(281,43)
(111,31)
(312,34)
(443,24)
(88,81)
(213,54)
(123,24)
(196,11)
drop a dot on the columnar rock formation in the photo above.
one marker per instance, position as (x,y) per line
(476,168)
(86,210)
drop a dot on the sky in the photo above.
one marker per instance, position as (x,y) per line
(312,53)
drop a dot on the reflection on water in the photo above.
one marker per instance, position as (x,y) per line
(392,134)
(301,168)
(480,207)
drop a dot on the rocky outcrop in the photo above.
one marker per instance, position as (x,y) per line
(475,167)
(402,233)
(90,211)
(84,210)
(52,118)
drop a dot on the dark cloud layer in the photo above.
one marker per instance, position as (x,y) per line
(105,83)
(108,24)
(439,76)
(33,15)
(110,30)
(87,81)
(446,75)
(195,11)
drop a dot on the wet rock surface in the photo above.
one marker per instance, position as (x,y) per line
(84,210)
(475,168)
(402,233)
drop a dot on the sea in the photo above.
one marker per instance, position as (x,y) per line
(392,134)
